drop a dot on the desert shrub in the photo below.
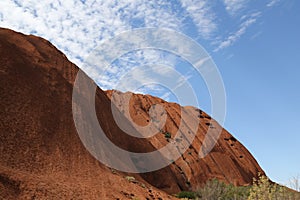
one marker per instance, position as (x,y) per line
(187,194)
(264,189)
(216,190)
(213,189)
(235,193)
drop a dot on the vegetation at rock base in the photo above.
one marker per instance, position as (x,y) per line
(186,194)
(262,189)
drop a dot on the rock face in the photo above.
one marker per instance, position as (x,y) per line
(228,161)
(42,156)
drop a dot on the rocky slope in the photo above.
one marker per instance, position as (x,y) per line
(41,155)
(228,161)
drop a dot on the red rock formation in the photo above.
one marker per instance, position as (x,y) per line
(41,155)
(229,161)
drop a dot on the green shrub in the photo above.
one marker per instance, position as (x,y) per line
(187,194)
(167,135)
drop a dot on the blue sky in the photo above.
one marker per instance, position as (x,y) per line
(262,85)
(255,45)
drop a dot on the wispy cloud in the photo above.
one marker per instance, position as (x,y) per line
(273,3)
(78,27)
(149,60)
(233,6)
(242,30)
(179,83)
(202,15)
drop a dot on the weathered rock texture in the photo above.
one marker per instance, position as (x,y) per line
(41,155)
(228,161)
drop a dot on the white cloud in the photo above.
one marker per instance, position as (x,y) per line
(155,64)
(272,3)
(78,27)
(236,35)
(233,6)
(202,16)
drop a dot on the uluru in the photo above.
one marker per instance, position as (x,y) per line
(43,157)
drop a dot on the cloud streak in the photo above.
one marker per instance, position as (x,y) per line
(232,38)
(233,6)
(273,3)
